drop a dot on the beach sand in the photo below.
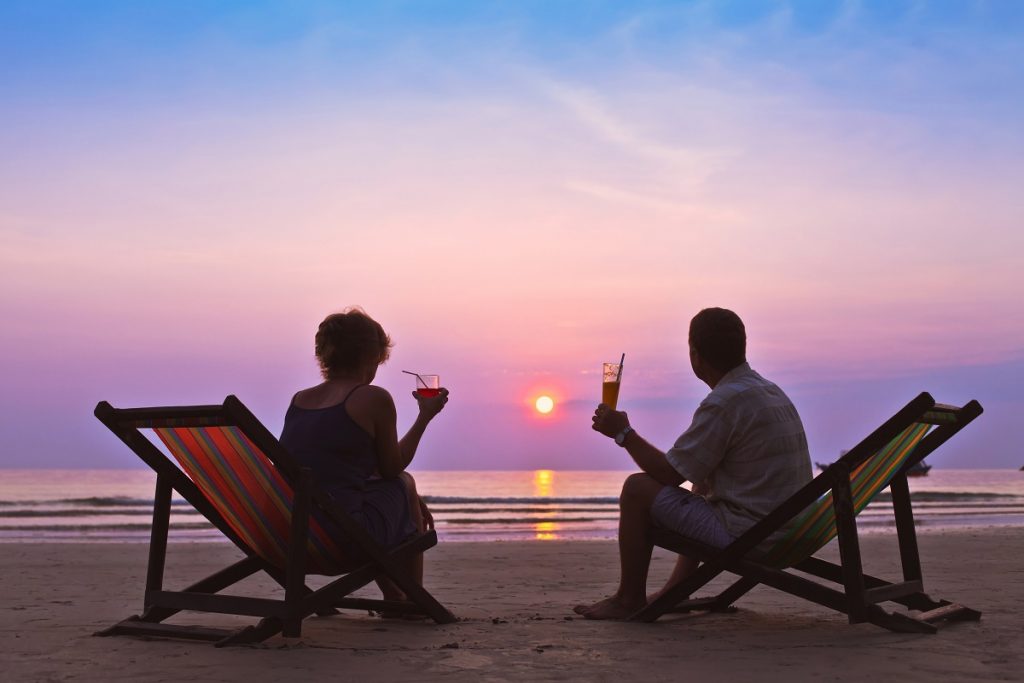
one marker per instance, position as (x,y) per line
(514,601)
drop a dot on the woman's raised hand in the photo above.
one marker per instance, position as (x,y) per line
(431,406)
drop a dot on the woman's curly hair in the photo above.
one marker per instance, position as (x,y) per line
(349,341)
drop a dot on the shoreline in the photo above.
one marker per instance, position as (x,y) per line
(459,538)
(514,601)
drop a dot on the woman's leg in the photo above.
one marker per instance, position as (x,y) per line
(416,562)
(415,565)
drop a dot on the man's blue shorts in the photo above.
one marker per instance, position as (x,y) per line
(690,515)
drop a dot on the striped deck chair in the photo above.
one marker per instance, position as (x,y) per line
(235,473)
(824,509)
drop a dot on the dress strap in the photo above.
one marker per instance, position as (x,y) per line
(352,391)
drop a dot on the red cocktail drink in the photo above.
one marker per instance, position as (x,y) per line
(428,386)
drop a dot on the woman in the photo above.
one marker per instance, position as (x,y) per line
(345,430)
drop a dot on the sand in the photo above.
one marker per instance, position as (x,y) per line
(514,601)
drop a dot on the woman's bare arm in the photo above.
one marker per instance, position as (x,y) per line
(394,454)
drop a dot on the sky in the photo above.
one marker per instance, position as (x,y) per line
(518,192)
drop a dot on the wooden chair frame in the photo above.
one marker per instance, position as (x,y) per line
(277,615)
(858,594)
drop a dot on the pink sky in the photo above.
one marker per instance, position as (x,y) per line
(511,233)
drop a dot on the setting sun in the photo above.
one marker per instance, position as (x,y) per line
(545,404)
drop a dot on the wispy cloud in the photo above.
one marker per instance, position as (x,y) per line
(671,208)
(686,165)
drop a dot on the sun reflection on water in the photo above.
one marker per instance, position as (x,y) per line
(543,487)
(543,483)
(545,531)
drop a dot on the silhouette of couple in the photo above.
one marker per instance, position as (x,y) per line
(744,452)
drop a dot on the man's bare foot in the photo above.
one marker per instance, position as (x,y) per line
(610,608)
(583,609)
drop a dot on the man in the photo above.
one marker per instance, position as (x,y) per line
(745,452)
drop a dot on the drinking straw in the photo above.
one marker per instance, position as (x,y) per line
(425,384)
(621,362)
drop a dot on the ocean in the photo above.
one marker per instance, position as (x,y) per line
(111,506)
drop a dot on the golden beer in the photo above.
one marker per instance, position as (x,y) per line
(610,393)
(611,376)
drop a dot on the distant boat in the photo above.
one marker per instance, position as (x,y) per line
(921,469)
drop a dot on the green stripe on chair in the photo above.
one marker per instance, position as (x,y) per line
(816,526)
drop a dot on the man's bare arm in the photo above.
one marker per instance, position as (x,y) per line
(651,460)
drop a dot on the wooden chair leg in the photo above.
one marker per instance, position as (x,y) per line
(726,598)
(678,593)
(158,535)
(295,574)
(266,628)
(849,549)
(213,583)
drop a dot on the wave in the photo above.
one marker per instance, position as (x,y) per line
(952,504)
(125,501)
(532,500)
(438,508)
(523,520)
(147,503)
(99,502)
(953,496)
(16,514)
(103,527)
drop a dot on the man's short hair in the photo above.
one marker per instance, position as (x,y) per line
(718,336)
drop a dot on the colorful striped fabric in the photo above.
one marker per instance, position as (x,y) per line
(248,491)
(816,526)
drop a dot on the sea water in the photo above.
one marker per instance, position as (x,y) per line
(541,505)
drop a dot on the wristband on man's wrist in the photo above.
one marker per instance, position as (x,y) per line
(620,438)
